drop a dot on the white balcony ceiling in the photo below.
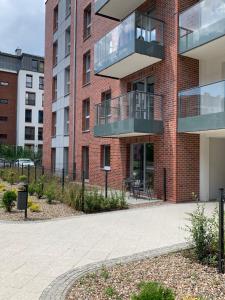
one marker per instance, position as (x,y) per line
(119,9)
(129,65)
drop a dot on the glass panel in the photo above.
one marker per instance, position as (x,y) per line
(139,105)
(203,100)
(149,166)
(201,23)
(138,162)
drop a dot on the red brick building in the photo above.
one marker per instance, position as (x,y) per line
(8,107)
(136,100)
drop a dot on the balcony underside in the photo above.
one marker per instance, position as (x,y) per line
(129,127)
(129,65)
(213,48)
(215,121)
(116,9)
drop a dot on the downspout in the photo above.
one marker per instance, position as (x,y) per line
(75,93)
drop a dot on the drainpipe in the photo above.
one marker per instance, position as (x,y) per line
(75,92)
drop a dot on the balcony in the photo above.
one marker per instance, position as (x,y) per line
(202,29)
(132,114)
(133,45)
(116,9)
(202,108)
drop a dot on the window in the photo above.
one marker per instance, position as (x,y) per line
(53,159)
(4,101)
(55,53)
(66,159)
(28,115)
(40,116)
(29,81)
(54,124)
(41,83)
(86,115)
(67,41)
(34,65)
(40,133)
(30,98)
(105,155)
(40,149)
(29,147)
(3,119)
(85,161)
(41,66)
(4,83)
(87,67)
(42,104)
(3,136)
(87,21)
(55,18)
(106,96)
(66,121)
(29,133)
(54,89)
(68,8)
(67,81)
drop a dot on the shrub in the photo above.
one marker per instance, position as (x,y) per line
(29,203)
(31,188)
(11,177)
(50,193)
(204,235)
(72,196)
(23,178)
(153,291)
(35,208)
(8,200)
(2,187)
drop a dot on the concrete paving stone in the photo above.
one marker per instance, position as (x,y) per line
(30,262)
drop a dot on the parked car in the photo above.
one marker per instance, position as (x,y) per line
(25,162)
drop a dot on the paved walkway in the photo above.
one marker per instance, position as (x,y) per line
(34,254)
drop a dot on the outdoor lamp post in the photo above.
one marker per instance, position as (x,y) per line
(107,169)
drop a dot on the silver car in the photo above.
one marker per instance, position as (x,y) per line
(25,162)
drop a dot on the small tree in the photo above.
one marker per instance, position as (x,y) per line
(8,200)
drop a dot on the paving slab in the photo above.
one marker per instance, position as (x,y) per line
(34,253)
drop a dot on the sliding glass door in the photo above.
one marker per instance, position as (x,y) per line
(142,164)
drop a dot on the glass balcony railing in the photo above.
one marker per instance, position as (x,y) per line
(203,100)
(201,23)
(133,105)
(136,34)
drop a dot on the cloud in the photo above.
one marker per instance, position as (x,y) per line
(22,25)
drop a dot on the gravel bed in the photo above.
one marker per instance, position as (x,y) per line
(186,277)
(47,211)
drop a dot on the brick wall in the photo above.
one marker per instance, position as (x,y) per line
(9,93)
(178,153)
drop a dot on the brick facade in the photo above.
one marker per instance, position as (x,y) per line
(8,91)
(177,153)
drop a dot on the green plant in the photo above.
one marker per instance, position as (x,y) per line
(35,208)
(153,291)
(11,177)
(111,292)
(23,178)
(203,232)
(72,196)
(50,193)
(31,188)
(8,200)
(29,203)
(104,273)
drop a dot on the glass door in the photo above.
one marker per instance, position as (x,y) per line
(142,164)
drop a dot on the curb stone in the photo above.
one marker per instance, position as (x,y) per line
(60,287)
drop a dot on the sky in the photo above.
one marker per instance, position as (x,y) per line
(22,25)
